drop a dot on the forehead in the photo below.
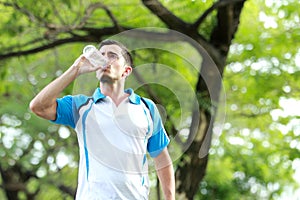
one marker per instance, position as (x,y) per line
(111,48)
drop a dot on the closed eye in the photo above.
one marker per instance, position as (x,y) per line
(112,56)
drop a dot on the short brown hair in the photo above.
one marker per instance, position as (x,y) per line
(125,51)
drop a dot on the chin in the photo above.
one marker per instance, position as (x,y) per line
(100,74)
(104,78)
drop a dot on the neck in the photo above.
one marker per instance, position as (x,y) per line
(114,91)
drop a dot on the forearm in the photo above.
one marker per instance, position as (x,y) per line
(44,103)
(165,173)
(167,180)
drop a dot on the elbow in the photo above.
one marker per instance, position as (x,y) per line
(42,110)
(34,107)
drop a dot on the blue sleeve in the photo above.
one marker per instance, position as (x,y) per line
(159,138)
(64,111)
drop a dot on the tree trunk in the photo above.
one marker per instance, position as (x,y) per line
(192,166)
(12,182)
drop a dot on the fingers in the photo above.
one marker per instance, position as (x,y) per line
(83,66)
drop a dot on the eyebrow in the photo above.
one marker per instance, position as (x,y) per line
(110,52)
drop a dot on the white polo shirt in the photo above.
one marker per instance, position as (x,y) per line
(113,142)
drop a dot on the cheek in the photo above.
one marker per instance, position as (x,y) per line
(117,68)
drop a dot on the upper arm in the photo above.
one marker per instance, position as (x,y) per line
(163,159)
(46,112)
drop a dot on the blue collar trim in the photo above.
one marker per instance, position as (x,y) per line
(98,95)
(133,98)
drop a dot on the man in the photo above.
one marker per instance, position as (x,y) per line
(115,129)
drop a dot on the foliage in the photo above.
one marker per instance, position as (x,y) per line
(255,151)
(253,158)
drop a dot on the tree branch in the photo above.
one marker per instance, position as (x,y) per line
(27,13)
(216,5)
(228,20)
(112,17)
(165,15)
(63,188)
(95,34)
(89,11)
(92,37)
(56,12)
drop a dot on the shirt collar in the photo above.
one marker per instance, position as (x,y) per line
(133,98)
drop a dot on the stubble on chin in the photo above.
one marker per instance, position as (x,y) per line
(99,74)
(104,78)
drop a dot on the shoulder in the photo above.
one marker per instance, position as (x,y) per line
(80,100)
(151,107)
(148,102)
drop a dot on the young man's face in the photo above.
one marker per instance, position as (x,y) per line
(117,68)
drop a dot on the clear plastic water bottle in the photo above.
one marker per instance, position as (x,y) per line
(94,56)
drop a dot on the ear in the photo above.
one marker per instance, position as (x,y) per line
(127,71)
